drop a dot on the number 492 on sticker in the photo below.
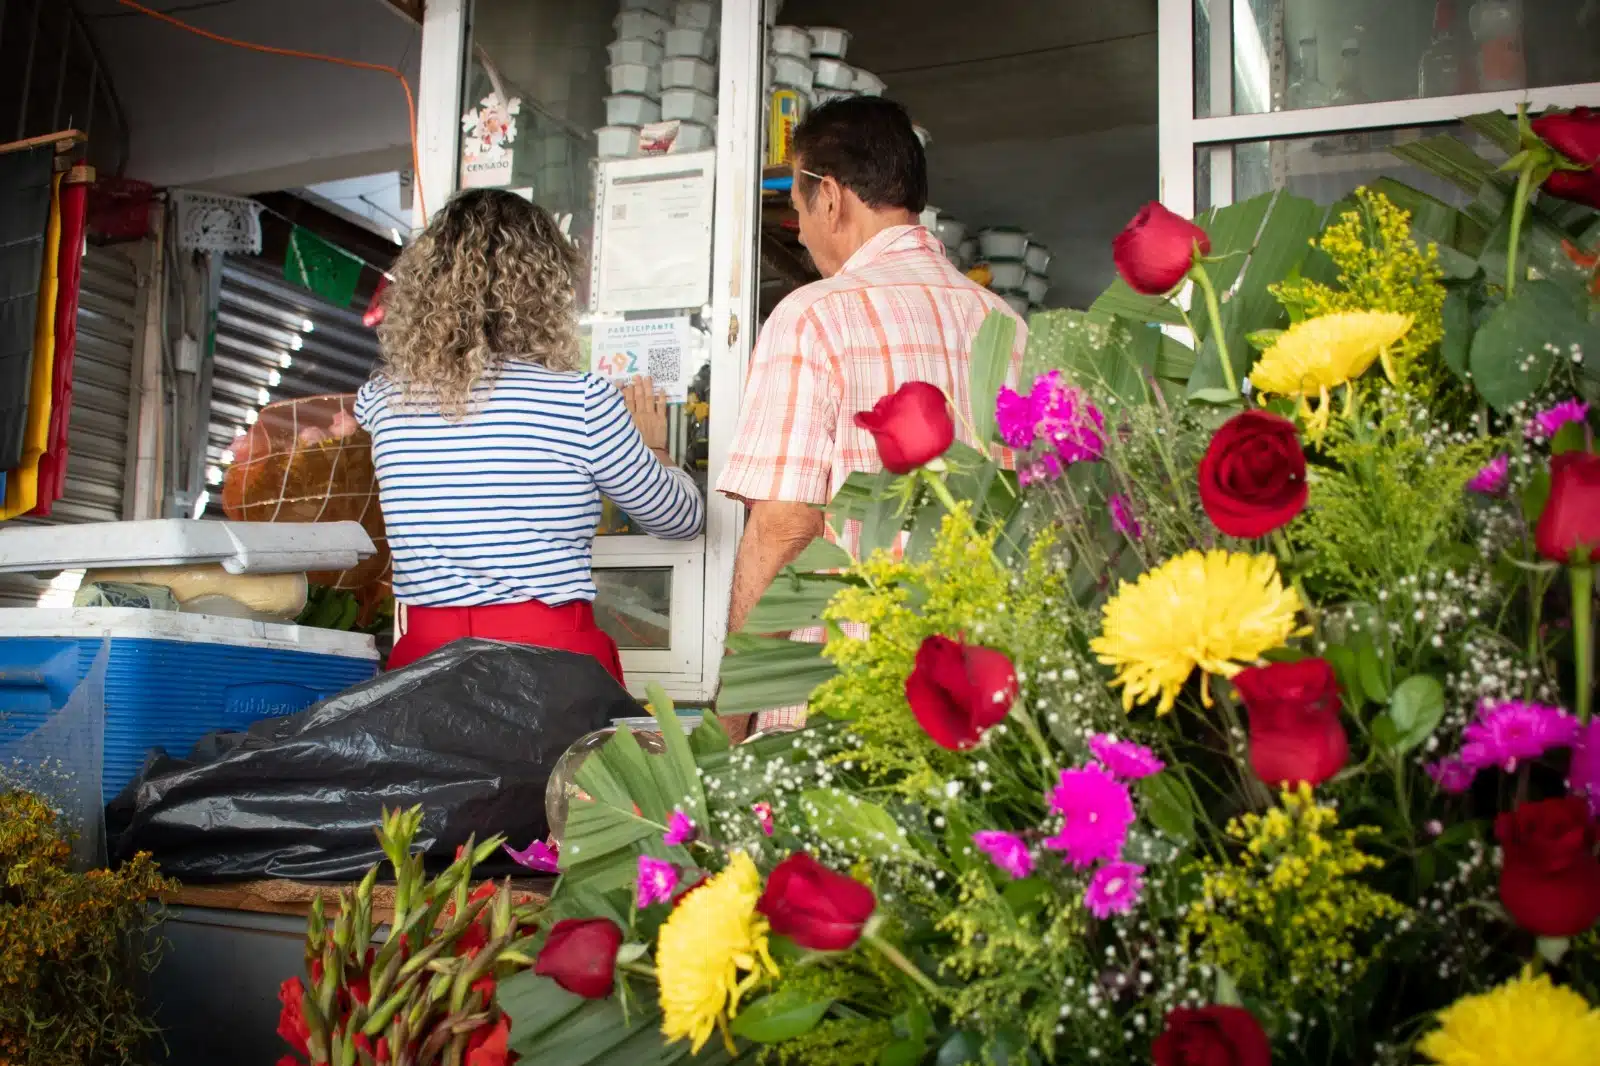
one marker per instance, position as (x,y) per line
(617,364)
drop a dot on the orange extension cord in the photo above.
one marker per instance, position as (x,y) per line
(411,103)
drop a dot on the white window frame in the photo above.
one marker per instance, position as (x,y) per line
(702,568)
(1182,133)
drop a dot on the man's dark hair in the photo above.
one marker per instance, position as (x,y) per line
(868,145)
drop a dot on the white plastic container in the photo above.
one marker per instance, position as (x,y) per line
(790,41)
(689,105)
(792,72)
(1002,242)
(635,78)
(659,7)
(642,52)
(641,25)
(1038,259)
(829,41)
(833,74)
(969,253)
(770,10)
(1019,303)
(950,231)
(695,14)
(922,135)
(631,110)
(693,137)
(1007,275)
(617,142)
(1036,286)
(241,547)
(821,96)
(682,73)
(868,84)
(694,44)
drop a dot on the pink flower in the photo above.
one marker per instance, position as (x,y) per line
(1114,889)
(539,857)
(1054,413)
(1122,517)
(680,830)
(1013,414)
(1491,480)
(1507,732)
(1583,777)
(1452,775)
(657,880)
(763,813)
(1006,850)
(1097,811)
(1124,758)
(1548,423)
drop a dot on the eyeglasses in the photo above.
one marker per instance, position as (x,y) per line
(812,174)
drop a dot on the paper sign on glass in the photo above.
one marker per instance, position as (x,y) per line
(653,233)
(654,347)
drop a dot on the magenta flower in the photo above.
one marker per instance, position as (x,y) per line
(1115,889)
(1013,415)
(657,881)
(1006,850)
(1583,777)
(1548,423)
(763,813)
(1491,480)
(539,857)
(1452,775)
(1122,517)
(1097,811)
(1505,733)
(1053,413)
(680,830)
(1124,758)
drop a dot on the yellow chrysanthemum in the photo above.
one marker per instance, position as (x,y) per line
(1323,353)
(1527,1020)
(712,950)
(1216,610)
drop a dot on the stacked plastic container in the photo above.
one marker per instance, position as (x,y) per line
(1008,256)
(663,76)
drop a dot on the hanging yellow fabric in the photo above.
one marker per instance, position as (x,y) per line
(22,484)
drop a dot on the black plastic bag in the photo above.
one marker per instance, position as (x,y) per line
(471,732)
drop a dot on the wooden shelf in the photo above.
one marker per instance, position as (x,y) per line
(294,898)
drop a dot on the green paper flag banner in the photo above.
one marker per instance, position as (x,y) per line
(325,269)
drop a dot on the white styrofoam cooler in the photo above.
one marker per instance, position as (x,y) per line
(241,547)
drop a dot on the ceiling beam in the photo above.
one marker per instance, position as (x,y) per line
(411,9)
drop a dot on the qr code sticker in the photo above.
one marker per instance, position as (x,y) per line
(664,363)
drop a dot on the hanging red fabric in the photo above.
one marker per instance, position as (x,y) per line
(374,314)
(69,280)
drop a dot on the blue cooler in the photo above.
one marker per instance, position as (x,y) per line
(170,678)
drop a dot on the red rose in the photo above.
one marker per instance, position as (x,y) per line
(1155,251)
(1550,879)
(1579,186)
(1253,475)
(580,955)
(1295,733)
(911,426)
(957,691)
(1576,135)
(815,907)
(488,1046)
(1571,519)
(292,1025)
(1211,1036)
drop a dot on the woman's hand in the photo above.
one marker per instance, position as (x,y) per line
(648,407)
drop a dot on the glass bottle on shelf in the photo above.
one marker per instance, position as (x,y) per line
(1497,29)
(1307,89)
(1349,90)
(1442,70)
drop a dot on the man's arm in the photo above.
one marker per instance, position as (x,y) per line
(774,534)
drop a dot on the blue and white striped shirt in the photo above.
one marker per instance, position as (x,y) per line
(502,506)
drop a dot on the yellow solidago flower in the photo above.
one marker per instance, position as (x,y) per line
(1216,610)
(1525,1021)
(1323,353)
(711,951)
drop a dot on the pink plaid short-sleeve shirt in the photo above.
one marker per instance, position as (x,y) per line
(898,311)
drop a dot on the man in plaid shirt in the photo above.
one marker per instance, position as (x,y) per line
(890,309)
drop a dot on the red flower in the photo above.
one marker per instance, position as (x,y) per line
(485,986)
(957,691)
(815,907)
(1550,880)
(474,938)
(911,426)
(488,1045)
(580,955)
(292,1025)
(1576,135)
(379,1053)
(1155,251)
(1253,475)
(1571,520)
(1211,1036)
(1295,733)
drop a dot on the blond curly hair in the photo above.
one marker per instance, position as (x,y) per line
(491,278)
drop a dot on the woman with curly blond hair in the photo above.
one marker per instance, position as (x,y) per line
(493,448)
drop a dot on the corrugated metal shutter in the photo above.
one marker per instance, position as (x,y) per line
(277,341)
(97,436)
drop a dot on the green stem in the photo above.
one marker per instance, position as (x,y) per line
(940,490)
(1214,312)
(1030,727)
(1582,578)
(904,965)
(1519,208)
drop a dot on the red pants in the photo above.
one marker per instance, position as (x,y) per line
(569,627)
